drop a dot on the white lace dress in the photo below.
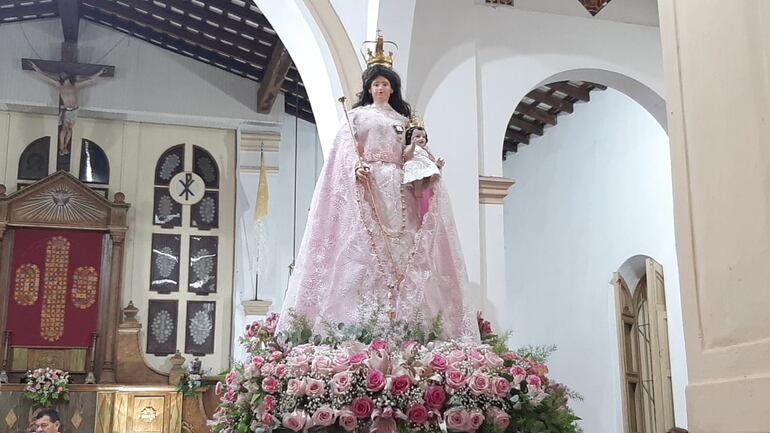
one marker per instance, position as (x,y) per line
(420,166)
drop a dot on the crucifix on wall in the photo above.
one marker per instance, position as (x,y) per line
(68,77)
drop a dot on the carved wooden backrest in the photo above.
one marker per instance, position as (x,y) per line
(61,202)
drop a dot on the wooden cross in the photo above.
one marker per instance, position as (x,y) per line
(64,73)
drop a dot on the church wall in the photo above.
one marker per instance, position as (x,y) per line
(284,233)
(594,191)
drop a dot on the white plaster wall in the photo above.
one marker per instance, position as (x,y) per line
(283,232)
(592,192)
(148,79)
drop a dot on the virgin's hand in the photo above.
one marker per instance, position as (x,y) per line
(362,172)
(440,163)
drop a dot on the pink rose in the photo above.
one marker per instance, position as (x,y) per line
(518,373)
(400,384)
(435,397)
(456,419)
(475,419)
(314,387)
(455,378)
(267,418)
(362,407)
(299,365)
(375,381)
(229,395)
(500,386)
(341,383)
(341,362)
(295,387)
(268,403)
(322,365)
(510,356)
(266,370)
(438,362)
(257,361)
(499,418)
(478,383)
(358,358)
(275,355)
(476,358)
(378,344)
(347,420)
(456,356)
(417,413)
(280,370)
(231,376)
(409,346)
(269,384)
(295,420)
(494,361)
(534,381)
(323,416)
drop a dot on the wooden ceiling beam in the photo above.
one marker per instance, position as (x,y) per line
(131,14)
(579,93)
(593,86)
(510,146)
(223,20)
(510,134)
(551,100)
(34,9)
(533,111)
(526,125)
(164,40)
(275,74)
(244,11)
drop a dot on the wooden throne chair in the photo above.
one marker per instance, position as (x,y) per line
(61,261)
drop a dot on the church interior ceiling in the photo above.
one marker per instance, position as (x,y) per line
(540,109)
(232,35)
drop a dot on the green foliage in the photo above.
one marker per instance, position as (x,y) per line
(538,353)
(547,417)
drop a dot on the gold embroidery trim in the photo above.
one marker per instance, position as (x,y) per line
(27,284)
(57,257)
(85,282)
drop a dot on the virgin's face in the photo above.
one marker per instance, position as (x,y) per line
(419,137)
(380,90)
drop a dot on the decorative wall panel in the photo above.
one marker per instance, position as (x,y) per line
(164,269)
(202,273)
(161,333)
(199,338)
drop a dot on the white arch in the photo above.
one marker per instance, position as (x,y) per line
(315,38)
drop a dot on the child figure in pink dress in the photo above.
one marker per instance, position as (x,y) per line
(421,168)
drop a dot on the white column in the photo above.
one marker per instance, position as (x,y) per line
(492,192)
(718,96)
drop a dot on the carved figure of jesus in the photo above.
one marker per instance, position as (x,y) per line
(69,91)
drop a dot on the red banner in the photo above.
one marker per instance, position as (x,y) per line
(54,285)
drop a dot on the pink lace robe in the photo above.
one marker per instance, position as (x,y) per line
(343,268)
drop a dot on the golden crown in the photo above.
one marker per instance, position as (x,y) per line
(378,57)
(414,122)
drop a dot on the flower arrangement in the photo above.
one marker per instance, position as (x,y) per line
(381,386)
(191,383)
(45,386)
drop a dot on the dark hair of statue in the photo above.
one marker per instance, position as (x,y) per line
(50,413)
(410,131)
(396,101)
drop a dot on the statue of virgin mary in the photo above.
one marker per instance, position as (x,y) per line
(366,255)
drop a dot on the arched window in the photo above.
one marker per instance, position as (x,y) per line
(33,163)
(643,346)
(94,164)
(167,211)
(205,213)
